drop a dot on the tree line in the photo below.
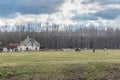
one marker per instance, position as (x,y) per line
(54,38)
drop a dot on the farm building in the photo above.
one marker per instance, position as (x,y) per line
(29,44)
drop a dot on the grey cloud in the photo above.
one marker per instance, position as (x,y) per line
(105,14)
(102,2)
(8,7)
(108,14)
(39,6)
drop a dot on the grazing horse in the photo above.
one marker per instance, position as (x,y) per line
(77,49)
(94,50)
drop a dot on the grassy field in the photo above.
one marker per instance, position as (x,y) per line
(60,65)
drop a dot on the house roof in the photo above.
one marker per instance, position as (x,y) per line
(27,40)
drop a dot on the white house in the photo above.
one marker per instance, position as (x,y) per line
(29,44)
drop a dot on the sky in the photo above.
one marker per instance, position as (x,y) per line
(86,12)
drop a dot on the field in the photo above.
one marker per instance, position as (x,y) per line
(60,65)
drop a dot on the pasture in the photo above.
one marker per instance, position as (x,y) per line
(60,65)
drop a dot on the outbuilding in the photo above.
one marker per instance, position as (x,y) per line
(29,44)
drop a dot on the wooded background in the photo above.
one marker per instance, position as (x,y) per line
(54,37)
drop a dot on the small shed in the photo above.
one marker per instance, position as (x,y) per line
(29,44)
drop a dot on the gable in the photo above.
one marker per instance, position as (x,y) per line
(29,42)
(32,43)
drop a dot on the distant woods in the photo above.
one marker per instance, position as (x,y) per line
(55,37)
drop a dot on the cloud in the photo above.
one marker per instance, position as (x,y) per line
(8,7)
(39,6)
(108,14)
(83,17)
(103,2)
(86,12)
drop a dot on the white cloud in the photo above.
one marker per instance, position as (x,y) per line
(112,6)
(77,7)
(69,9)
